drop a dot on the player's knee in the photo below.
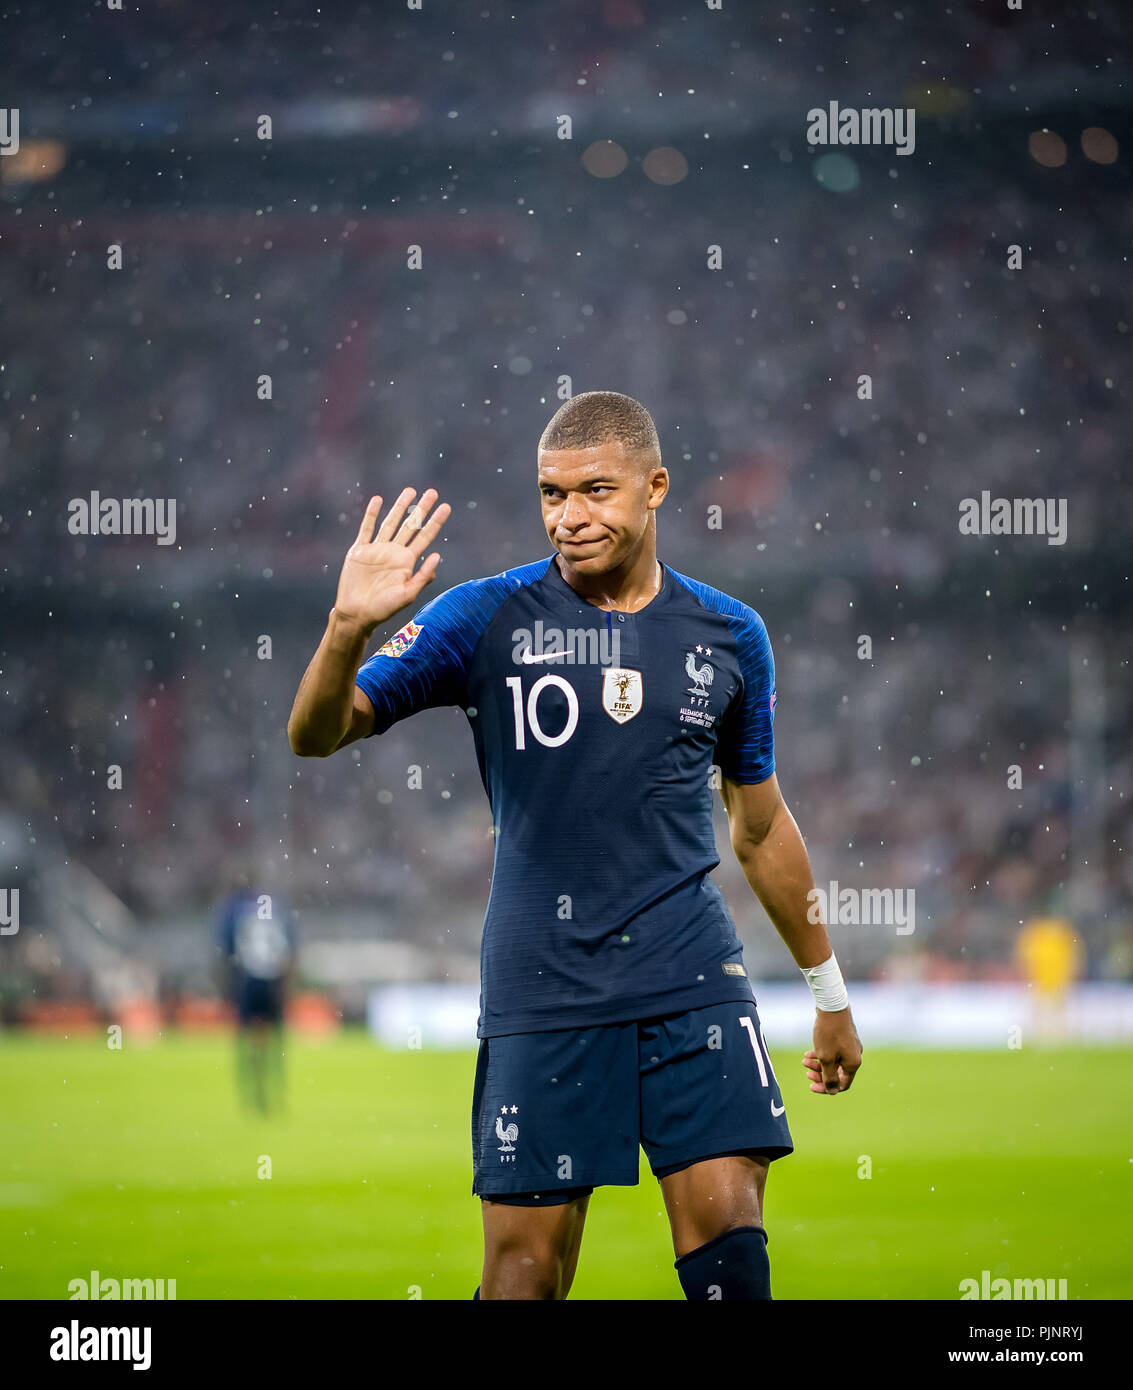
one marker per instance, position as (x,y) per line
(525,1266)
(531,1249)
(524,1277)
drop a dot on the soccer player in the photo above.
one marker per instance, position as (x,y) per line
(256,947)
(607,695)
(1050,954)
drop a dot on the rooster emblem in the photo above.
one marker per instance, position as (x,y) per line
(702,675)
(508,1136)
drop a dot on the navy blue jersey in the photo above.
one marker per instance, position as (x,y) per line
(256,935)
(599,736)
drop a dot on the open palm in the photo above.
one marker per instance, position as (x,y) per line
(379,576)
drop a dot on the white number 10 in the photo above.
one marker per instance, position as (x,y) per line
(747,1023)
(516,686)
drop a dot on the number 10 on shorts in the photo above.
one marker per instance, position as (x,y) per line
(760,1052)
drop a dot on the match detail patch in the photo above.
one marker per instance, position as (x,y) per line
(401,641)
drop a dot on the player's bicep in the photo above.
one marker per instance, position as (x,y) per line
(745,743)
(361,720)
(421,667)
(752,808)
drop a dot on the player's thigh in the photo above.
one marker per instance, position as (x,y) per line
(542,1234)
(531,1252)
(716,1195)
(712,1117)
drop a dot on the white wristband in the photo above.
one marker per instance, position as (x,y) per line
(827,986)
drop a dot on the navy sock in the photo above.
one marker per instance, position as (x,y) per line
(476,1295)
(734,1265)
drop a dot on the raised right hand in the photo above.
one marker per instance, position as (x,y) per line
(378,578)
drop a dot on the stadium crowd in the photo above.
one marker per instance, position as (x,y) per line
(150,383)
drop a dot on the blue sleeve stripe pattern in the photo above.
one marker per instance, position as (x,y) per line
(432,670)
(745,747)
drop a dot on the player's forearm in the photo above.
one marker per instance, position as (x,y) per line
(778,870)
(324,703)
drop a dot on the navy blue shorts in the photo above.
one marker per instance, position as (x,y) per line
(555,1115)
(260,1001)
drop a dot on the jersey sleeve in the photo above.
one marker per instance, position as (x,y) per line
(225,927)
(745,749)
(422,666)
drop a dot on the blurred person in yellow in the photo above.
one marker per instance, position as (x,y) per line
(1049,953)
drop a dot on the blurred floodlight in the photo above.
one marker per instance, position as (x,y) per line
(34,161)
(836,172)
(605,159)
(1099,145)
(665,165)
(1047,148)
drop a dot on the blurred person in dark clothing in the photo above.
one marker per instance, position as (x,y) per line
(256,944)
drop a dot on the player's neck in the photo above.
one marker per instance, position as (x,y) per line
(625,589)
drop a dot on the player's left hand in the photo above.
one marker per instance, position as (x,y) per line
(832,1062)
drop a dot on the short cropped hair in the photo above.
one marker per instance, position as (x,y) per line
(598,417)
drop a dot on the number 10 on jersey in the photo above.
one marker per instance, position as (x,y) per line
(515,684)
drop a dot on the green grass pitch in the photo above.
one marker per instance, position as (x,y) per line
(138,1163)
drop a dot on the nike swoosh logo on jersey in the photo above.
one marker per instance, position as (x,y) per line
(776,1110)
(527,658)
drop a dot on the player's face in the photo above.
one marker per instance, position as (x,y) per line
(597,503)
